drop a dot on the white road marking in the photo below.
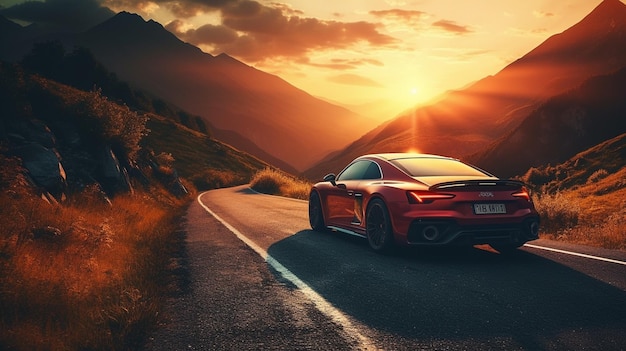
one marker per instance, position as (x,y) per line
(576,254)
(320,303)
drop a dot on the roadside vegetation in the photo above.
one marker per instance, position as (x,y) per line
(85,275)
(92,270)
(591,214)
(583,200)
(274,182)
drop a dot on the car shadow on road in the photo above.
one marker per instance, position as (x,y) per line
(520,300)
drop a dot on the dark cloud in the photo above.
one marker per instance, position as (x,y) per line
(207,34)
(255,32)
(450,26)
(60,14)
(180,8)
(249,29)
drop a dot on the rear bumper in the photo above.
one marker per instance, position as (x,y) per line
(449,232)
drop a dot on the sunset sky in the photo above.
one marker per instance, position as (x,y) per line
(396,53)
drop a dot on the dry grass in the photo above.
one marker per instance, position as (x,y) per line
(274,182)
(85,275)
(593,213)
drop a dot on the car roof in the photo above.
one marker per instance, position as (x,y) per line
(400,155)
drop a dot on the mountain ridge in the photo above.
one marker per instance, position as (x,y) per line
(564,125)
(466,121)
(278,117)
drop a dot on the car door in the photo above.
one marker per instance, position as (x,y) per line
(372,173)
(342,198)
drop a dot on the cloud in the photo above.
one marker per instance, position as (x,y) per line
(180,8)
(206,34)
(256,32)
(452,27)
(408,16)
(345,64)
(60,14)
(541,14)
(353,79)
(251,30)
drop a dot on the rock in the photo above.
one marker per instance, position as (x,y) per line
(113,177)
(43,166)
(46,233)
(40,133)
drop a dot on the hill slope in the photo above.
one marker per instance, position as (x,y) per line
(282,120)
(561,127)
(468,120)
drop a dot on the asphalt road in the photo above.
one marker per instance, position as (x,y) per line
(260,278)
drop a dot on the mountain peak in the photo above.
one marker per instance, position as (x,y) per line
(125,19)
(127,30)
(609,14)
(611,4)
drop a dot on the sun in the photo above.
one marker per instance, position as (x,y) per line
(413,91)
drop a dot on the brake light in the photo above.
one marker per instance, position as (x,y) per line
(522,193)
(426,197)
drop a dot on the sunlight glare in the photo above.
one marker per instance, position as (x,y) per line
(413,150)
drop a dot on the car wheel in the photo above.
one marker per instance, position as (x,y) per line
(316,217)
(378,226)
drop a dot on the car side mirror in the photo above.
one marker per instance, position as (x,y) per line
(331,178)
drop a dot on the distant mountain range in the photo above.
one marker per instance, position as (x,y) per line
(562,97)
(247,108)
(564,125)
(469,121)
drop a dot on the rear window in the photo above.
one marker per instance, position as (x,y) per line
(428,167)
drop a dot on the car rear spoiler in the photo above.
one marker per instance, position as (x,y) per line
(474,183)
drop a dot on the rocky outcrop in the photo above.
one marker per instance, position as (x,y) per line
(58,166)
(36,145)
(44,167)
(113,177)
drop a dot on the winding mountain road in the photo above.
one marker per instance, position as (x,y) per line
(260,278)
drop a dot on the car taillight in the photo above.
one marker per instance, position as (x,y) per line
(425,197)
(522,193)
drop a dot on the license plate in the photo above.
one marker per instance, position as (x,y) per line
(480,209)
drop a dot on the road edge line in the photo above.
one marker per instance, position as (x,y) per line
(576,254)
(320,303)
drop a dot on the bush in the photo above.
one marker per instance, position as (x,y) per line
(597,175)
(114,123)
(274,182)
(558,213)
(268,181)
(215,179)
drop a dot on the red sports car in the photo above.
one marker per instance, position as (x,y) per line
(418,199)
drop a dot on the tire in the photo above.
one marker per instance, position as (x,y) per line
(378,226)
(316,215)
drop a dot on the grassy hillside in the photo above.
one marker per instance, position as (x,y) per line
(583,199)
(206,162)
(93,271)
